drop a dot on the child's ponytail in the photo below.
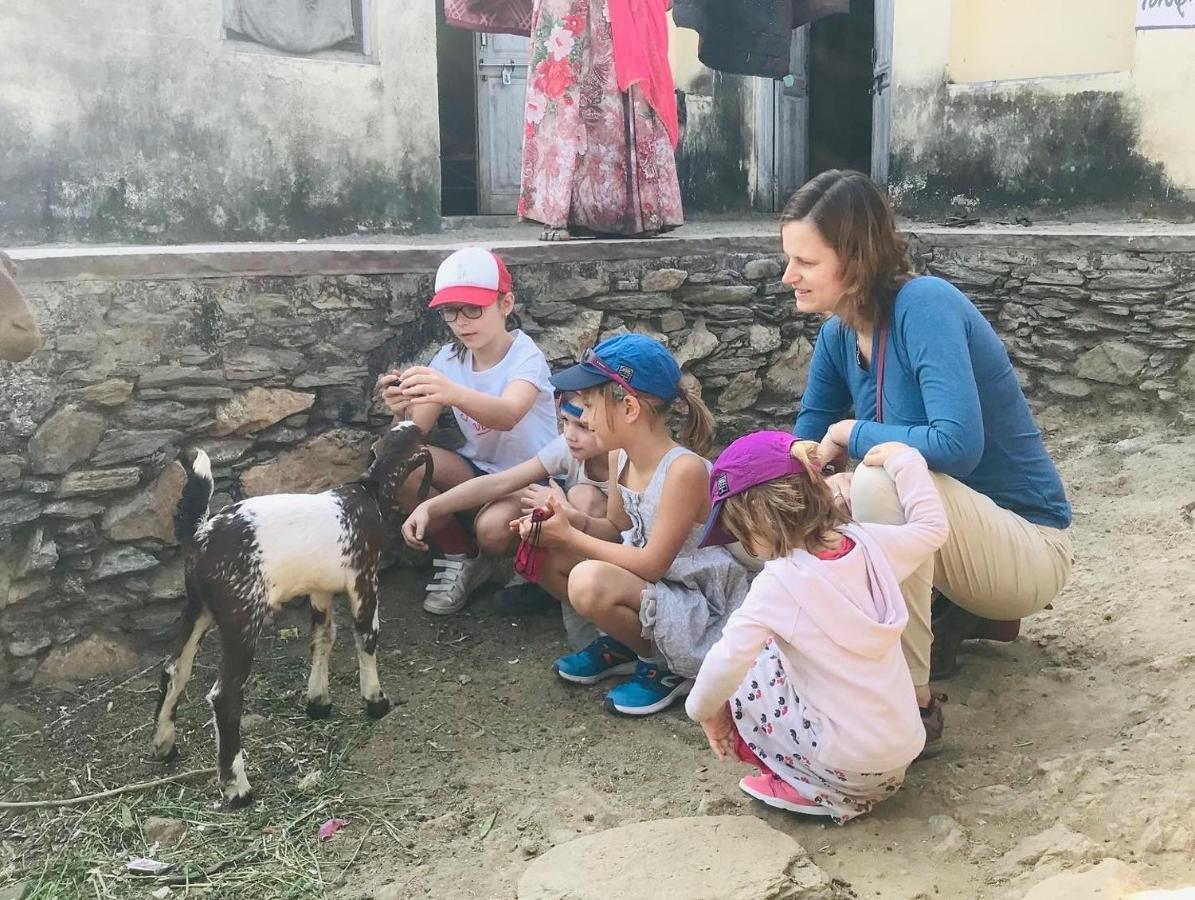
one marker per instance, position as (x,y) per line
(698,431)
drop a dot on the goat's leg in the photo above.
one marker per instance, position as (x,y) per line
(177,672)
(363,599)
(227,701)
(323,636)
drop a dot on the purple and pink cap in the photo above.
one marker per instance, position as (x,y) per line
(751,460)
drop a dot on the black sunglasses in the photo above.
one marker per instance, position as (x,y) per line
(449,313)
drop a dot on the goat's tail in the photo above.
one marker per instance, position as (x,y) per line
(192,508)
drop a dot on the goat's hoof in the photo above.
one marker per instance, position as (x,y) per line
(316,710)
(375,709)
(166,754)
(239,801)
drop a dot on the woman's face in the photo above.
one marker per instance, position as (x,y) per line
(814,271)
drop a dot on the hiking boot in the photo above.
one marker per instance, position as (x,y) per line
(653,689)
(457,577)
(604,658)
(934,723)
(770,788)
(951,625)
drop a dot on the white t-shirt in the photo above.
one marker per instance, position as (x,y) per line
(496,451)
(557,460)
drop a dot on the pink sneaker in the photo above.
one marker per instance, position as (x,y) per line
(775,791)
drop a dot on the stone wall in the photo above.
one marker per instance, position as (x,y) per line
(272,374)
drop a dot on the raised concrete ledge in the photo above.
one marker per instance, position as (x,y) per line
(189,261)
(224,260)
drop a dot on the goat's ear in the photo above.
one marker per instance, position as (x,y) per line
(370,473)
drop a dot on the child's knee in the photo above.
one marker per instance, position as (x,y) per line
(588,590)
(493,533)
(588,499)
(874,497)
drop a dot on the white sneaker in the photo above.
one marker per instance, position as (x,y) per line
(458,575)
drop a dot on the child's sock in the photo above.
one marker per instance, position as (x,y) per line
(452,537)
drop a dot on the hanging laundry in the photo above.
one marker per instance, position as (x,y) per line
(294,26)
(490,16)
(750,37)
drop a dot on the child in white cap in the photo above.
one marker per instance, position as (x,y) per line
(496,381)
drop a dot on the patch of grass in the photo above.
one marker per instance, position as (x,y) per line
(270,850)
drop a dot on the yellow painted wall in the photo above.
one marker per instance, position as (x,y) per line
(994,40)
(996,46)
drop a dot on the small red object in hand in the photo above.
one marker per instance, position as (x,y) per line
(529,558)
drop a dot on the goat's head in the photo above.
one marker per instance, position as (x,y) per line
(398,453)
(19,335)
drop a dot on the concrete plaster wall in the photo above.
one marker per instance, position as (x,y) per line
(1059,111)
(133,122)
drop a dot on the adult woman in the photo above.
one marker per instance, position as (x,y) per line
(601,121)
(918,363)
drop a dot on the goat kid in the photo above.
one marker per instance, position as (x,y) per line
(245,562)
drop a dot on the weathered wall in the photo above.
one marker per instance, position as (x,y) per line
(132,122)
(272,374)
(1058,109)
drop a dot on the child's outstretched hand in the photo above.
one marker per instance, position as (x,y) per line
(554,531)
(537,495)
(719,731)
(421,384)
(415,527)
(391,394)
(881,453)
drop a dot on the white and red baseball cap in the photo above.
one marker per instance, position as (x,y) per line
(471,276)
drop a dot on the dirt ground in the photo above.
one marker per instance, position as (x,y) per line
(1084,724)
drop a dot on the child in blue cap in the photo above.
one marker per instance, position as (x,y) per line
(636,572)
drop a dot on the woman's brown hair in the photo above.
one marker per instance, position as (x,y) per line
(853,216)
(795,512)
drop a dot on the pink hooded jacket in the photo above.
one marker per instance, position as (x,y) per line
(837,626)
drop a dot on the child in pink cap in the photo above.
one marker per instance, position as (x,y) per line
(808,682)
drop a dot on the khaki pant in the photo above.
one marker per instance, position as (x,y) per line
(994,564)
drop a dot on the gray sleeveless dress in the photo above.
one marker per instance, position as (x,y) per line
(684,612)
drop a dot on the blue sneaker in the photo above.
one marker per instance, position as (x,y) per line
(604,658)
(653,688)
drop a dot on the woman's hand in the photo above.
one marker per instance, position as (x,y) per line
(416,525)
(421,384)
(391,394)
(719,731)
(832,450)
(840,490)
(554,531)
(881,453)
(537,495)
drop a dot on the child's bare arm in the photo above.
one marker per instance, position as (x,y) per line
(684,503)
(424,385)
(926,526)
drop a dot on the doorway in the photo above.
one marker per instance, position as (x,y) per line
(482,89)
(834,110)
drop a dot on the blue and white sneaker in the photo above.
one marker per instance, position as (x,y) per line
(604,658)
(654,688)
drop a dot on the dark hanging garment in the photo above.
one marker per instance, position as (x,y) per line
(490,16)
(750,37)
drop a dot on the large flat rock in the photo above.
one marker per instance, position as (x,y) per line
(700,858)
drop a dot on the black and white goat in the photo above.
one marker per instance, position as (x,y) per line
(245,562)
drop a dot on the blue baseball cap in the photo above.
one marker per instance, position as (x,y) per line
(633,360)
